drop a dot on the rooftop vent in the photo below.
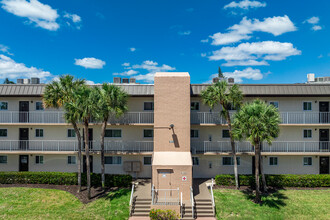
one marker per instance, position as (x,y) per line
(132,80)
(126,80)
(35,80)
(215,80)
(310,77)
(231,80)
(117,80)
(19,81)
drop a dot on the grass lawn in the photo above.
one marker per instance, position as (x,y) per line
(31,203)
(284,204)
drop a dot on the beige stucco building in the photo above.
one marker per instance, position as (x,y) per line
(168,134)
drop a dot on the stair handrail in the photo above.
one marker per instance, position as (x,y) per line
(192,202)
(131,200)
(152,194)
(213,203)
(181,205)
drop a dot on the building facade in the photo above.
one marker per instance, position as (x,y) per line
(167,132)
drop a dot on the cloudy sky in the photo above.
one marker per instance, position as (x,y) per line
(253,41)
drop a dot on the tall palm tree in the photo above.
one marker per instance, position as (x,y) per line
(112,102)
(85,108)
(227,96)
(257,122)
(56,94)
(7,81)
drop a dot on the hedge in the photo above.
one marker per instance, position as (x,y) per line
(283,180)
(59,178)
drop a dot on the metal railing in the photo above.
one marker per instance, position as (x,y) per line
(181,206)
(53,117)
(131,200)
(192,202)
(212,197)
(66,145)
(286,118)
(165,196)
(246,147)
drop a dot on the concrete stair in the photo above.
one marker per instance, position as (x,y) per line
(141,207)
(203,208)
(187,214)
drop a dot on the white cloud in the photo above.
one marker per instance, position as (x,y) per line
(246,63)
(205,40)
(265,50)
(90,63)
(239,75)
(11,69)
(203,54)
(75,18)
(313,20)
(127,73)
(132,49)
(184,32)
(245,4)
(40,14)
(125,64)
(5,49)
(153,66)
(316,28)
(242,31)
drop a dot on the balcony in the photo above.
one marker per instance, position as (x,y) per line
(286,118)
(65,146)
(57,117)
(276,147)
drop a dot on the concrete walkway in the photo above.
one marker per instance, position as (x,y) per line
(201,190)
(142,188)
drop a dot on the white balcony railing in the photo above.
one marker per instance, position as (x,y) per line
(246,147)
(286,118)
(64,145)
(49,117)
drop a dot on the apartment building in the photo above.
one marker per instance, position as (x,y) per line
(167,131)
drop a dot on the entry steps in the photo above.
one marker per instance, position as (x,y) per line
(141,207)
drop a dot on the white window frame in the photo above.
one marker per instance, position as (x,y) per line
(148,137)
(196,160)
(121,133)
(67,133)
(153,105)
(273,164)
(35,160)
(232,158)
(7,133)
(307,164)
(121,161)
(197,134)
(144,161)
(307,102)
(41,104)
(307,130)
(222,133)
(278,104)
(75,160)
(6,159)
(7,106)
(35,132)
(199,105)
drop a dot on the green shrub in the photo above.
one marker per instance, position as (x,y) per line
(282,180)
(59,178)
(158,214)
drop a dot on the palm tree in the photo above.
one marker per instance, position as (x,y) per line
(56,94)
(85,107)
(257,122)
(227,97)
(112,102)
(7,81)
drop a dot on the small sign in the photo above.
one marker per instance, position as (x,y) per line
(184,178)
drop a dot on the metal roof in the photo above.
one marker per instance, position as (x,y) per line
(148,89)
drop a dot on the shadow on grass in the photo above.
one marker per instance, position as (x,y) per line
(117,194)
(273,199)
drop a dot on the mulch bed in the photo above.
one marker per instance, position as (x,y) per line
(96,192)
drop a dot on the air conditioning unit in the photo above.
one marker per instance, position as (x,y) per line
(117,80)
(35,80)
(26,81)
(215,80)
(231,80)
(132,80)
(126,80)
(19,81)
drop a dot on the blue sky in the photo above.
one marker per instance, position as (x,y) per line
(253,41)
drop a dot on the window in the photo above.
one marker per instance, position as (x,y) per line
(194,133)
(147,160)
(3,159)
(274,103)
(307,106)
(3,105)
(39,132)
(112,160)
(194,106)
(210,137)
(195,161)
(113,133)
(39,106)
(39,159)
(307,133)
(3,132)
(210,165)
(229,161)
(71,159)
(225,133)
(71,133)
(148,106)
(148,133)
(307,161)
(273,161)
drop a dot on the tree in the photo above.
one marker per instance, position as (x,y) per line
(112,101)
(84,105)
(257,122)
(56,94)
(7,81)
(220,74)
(228,97)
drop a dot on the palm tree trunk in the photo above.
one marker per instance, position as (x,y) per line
(264,184)
(257,164)
(76,129)
(88,171)
(232,142)
(104,126)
